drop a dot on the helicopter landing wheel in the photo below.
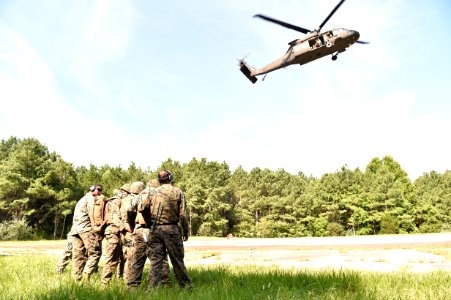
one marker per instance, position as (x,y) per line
(334,57)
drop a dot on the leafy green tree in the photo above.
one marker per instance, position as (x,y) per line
(27,161)
(389,224)
(210,199)
(388,191)
(432,201)
(36,186)
(246,224)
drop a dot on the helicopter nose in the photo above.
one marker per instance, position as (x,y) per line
(355,35)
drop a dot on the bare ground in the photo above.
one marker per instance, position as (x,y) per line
(413,253)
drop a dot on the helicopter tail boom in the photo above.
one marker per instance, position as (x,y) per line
(246,70)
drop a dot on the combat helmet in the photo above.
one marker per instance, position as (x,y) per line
(126,187)
(137,187)
(153,183)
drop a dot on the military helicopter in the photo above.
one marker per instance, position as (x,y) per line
(314,45)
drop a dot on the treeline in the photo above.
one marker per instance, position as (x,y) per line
(39,189)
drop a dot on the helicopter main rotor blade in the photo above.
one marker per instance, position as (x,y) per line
(362,42)
(330,15)
(284,24)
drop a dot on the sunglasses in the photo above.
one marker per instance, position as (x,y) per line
(99,189)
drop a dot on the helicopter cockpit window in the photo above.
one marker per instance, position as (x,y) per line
(336,31)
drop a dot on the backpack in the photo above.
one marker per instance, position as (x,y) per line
(97,213)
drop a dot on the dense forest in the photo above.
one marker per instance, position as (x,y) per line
(38,191)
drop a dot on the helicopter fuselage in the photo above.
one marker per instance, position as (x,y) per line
(313,46)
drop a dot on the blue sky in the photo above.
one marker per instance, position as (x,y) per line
(111,82)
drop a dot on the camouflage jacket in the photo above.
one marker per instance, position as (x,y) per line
(142,206)
(128,209)
(113,213)
(168,206)
(81,221)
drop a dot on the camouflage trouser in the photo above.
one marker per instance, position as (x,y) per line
(127,250)
(167,239)
(141,252)
(65,258)
(86,254)
(113,252)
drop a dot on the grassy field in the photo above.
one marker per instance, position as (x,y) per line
(33,277)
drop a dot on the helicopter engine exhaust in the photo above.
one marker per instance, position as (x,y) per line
(244,68)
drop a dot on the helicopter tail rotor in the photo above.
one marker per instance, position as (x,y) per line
(247,71)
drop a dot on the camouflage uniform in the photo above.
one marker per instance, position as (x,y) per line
(114,226)
(66,257)
(86,243)
(141,237)
(126,238)
(168,208)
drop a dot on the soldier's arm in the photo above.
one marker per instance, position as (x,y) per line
(124,215)
(131,210)
(132,207)
(90,209)
(119,211)
(142,202)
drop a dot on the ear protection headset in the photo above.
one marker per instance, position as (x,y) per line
(170,177)
(167,177)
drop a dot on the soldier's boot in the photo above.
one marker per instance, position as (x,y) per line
(132,288)
(120,271)
(120,274)
(77,277)
(86,278)
(152,288)
(166,281)
(59,271)
(188,287)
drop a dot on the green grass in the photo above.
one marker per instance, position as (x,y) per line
(33,277)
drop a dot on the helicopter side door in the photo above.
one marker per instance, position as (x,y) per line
(316,43)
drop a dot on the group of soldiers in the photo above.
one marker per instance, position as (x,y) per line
(137,223)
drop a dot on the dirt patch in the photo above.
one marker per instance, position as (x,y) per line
(415,253)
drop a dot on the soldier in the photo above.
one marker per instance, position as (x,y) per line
(114,225)
(84,239)
(128,218)
(141,237)
(126,232)
(66,257)
(167,210)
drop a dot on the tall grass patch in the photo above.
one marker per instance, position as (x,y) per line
(33,277)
